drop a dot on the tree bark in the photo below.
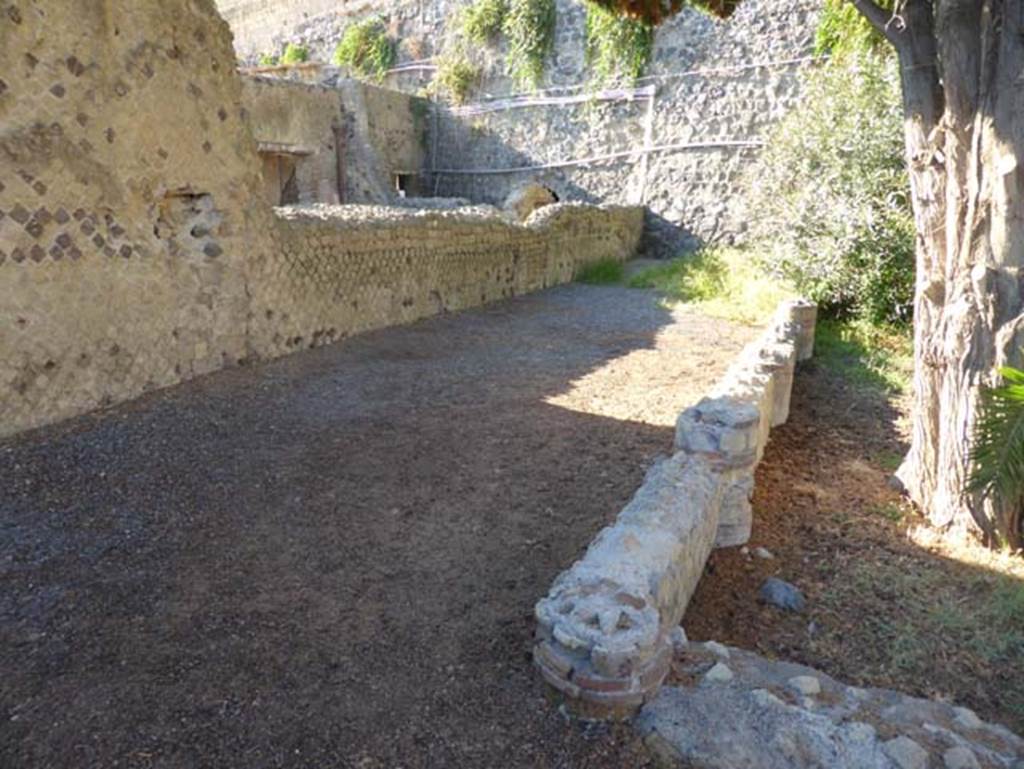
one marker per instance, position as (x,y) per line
(962,62)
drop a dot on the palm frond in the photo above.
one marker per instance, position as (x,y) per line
(997,455)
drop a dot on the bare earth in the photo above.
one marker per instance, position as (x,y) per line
(331,560)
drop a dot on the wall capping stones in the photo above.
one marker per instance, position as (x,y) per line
(604,630)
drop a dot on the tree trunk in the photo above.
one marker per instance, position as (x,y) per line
(963,135)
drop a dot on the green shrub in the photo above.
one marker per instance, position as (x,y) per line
(842,31)
(365,49)
(455,76)
(530,28)
(723,282)
(618,47)
(267,60)
(829,197)
(294,54)
(604,272)
(481,22)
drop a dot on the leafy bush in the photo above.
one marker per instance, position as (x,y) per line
(481,22)
(294,54)
(365,49)
(843,31)
(830,196)
(267,60)
(618,47)
(530,28)
(455,76)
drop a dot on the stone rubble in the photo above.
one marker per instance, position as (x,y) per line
(779,715)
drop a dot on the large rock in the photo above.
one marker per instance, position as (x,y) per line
(778,715)
(524,200)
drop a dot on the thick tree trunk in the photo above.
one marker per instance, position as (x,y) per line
(963,142)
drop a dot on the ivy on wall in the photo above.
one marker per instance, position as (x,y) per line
(618,47)
(366,49)
(529,27)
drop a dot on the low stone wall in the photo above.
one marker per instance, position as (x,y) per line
(605,629)
(342,270)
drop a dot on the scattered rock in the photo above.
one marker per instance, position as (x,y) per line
(782,594)
(960,758)
(763,553)
(719,650)
(906,753)
(719,674)
(808,685)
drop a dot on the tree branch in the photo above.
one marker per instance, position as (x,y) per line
(877,17)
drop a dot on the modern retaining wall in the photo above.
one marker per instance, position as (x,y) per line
(605,629)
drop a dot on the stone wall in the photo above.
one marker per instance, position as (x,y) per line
(302,123)
(681,140)
(338,271)
(137,249)
(606,629)
(127,212)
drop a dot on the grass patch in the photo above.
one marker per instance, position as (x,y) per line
(603,273)
(724,283)
(891,512)
(946,622)
(481,22)
(876,357)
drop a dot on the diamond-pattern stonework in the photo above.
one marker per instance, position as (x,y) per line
(138,250)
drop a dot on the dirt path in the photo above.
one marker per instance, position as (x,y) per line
(331,560)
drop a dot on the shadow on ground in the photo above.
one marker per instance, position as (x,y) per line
(885,609)
(329,560)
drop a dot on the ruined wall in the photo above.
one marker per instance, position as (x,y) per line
(126,206)
(342,270)
(300,119)
(385,134)
(682,139)
(136,246)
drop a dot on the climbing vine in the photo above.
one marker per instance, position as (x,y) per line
(294,54)
(530,29)
(366,49)
(455,75)
(482,21)
(618,47)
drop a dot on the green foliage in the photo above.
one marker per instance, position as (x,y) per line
(455,76)
(997,456)
(482,21)
(831,194)
(365,49)
(870,356)
(618,47)
(724,282)
(530,28)
(605,272)
(843,31)
(294,54)
(267,60)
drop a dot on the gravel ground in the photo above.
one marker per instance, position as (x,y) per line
(331,560)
